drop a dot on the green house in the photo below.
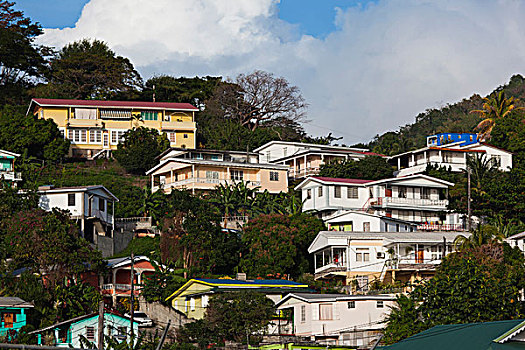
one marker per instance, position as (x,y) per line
(13,313)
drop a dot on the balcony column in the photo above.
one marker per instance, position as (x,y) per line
(227,175)
(294,166)
(171,176)
(399,163)
(426,159)
(305,167)
(193,177)
(413,159)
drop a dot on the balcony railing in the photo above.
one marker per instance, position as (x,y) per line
(186,125)
(303,172)
(10,176)
(204,180)
(409,202)
(440,227)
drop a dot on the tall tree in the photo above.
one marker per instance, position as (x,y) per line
(258,98)
(21,60)
(368,168)
(170,89)
(89,69)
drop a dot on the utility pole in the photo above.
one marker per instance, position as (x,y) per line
(101,325)
(444,247)
(469,219)
(163,338)
(132,294)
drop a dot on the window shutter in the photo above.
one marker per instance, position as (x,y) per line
(315,312)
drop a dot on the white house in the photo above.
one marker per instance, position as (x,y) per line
(92,206)
(384,256)
(451,156)
(305,159)
(337,319)
(7,167)
(418,198)
(353,220)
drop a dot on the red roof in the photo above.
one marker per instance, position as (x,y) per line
(346,181)
(110,104)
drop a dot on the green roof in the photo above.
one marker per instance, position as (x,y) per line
(469,336)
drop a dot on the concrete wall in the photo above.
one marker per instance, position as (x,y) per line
(160,314)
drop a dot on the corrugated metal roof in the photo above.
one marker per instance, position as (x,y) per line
(470,336)
(14,302)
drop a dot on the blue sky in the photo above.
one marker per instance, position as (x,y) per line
(314,17)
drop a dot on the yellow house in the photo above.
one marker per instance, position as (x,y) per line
(96,127)
(204,169)
(193,297)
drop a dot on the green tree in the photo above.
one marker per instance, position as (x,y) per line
(21,60)
(277,244)
(89,69)
(233,316)
(31,137)
(475,285)
(140,148)
(368,168)
(75,299)
(166,279)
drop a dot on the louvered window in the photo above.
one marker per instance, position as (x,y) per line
(120,114)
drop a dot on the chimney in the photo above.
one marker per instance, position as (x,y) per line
(241,276)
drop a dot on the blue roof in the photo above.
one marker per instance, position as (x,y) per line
(249,282)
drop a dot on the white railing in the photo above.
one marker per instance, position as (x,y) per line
(386,201)
(303,172)
(116,286)
(146,219)
(440,227)
(10,175)
(204,180)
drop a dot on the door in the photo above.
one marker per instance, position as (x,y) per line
(105,141)
(388,192)
(420,255)
(9,319)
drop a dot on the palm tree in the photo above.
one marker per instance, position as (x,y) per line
(480,166)
(225,198)
(481,236)
(494,109)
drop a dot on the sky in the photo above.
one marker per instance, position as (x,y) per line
(364,67)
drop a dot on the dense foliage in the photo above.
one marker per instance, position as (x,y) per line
(233,316)
(367,168)
(277,244)
(479,284)
(140,148)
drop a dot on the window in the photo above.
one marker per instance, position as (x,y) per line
(366,226)
(101,204)
(122,332)
(85,113)
(337,191)
(285,151)
(274,176)
(8,318)
(308,194)
(320,191)
(352,192)
(71,200)
(397,227)
(268,158)
(172,136)
(402,192)
(78,135)
(185,136)
(325,312)
(303,313)
(362,254)
(212,177)
(205,300)
(192,304)
(379,304)
(237,175)
(362,283)
(351,304)
(95,136)
(117,136)
(148,115)
(425,193)
(90,333)
(495,160)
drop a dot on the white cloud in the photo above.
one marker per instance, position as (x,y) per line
(386,62)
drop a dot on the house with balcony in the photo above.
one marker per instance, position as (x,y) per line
(117,283)
(449,151)
(361,221)
(359,258)
(92,207)
(96,127)
(202,170)
(337,319)
(418,199)
(305,159)
(7,168)
(13,315)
